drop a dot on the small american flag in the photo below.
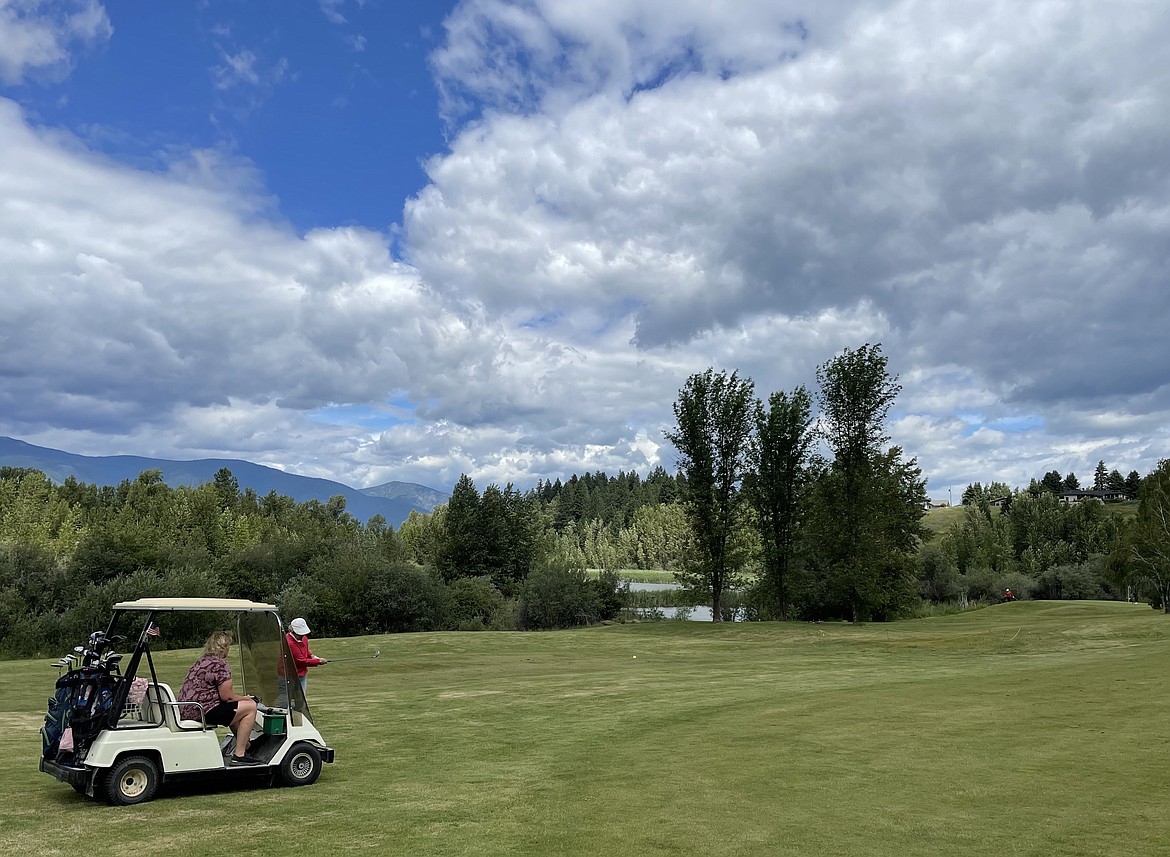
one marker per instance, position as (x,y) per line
(152,631)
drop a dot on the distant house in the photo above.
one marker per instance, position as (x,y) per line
(935,504)
(999,502)
(1106,496)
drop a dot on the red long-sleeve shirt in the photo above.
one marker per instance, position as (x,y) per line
(302,657)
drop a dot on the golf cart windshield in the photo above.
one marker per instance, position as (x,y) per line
(260,658)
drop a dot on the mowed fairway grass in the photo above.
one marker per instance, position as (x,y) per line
(1036,728)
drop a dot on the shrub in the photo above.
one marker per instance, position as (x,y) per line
(1069,582)
(504,619)
(472,604)
(1022,586)
(30,634)
(406,597)
(260,571)
(612,594)
(759,601)
(985,584)
(557,597)
(949,608)
(940,578)
(362,593)
(33,575)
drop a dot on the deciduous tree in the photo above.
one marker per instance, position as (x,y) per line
(1149,545)
(780,456)
(714,421)
(870,502)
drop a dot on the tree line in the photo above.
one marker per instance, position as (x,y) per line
(69,552)
(1032,542)
(1053,483)
(799,515)
(753,507)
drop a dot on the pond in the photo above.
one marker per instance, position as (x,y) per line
(699,613)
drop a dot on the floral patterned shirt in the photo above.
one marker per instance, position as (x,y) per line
(202,685)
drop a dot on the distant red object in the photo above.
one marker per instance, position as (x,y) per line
(1007,595)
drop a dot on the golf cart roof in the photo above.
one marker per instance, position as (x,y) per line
(239,605)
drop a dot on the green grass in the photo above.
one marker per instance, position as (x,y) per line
(1127,509)
(639,575)
(936,522)
(1032,728)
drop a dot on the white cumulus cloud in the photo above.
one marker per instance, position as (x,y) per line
(38,36)
(632,192)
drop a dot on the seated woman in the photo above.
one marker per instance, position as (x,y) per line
(209,683)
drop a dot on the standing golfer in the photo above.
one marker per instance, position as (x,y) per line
(298,644)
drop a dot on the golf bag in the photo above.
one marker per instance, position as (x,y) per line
(77,712)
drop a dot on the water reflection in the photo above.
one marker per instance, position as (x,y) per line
(699,613)
(702,613)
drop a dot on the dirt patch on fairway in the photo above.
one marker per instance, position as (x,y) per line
(464,694)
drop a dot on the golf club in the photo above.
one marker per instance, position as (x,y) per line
(338,660)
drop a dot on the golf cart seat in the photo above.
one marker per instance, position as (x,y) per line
(159,707)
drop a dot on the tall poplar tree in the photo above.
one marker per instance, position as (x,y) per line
(714,422)
(780,457)
(870,502)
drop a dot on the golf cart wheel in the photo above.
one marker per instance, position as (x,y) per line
(301,766)
(133,780)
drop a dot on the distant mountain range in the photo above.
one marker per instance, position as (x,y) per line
(394,501)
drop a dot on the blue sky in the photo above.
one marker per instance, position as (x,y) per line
(335,107)
(372,240)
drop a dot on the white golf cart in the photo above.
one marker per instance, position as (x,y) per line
(122,738)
